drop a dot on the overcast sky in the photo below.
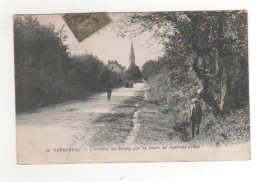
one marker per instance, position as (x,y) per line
(105,44)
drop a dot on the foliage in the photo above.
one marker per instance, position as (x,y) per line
(203,50)
(135,72)
(39,63)
(231,129)
(151,68)
(89,71)
(45,73)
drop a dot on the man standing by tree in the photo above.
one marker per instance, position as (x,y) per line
(195,115)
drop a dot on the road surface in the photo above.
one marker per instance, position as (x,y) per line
(61,125)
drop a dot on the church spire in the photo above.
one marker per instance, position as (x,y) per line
(132,54)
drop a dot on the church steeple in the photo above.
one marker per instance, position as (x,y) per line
(132,54)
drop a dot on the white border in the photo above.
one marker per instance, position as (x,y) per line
(198,171)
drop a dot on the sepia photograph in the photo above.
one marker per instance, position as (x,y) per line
(132,87)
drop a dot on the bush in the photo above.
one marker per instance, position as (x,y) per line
(44,71)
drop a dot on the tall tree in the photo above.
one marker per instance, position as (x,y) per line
(135,72)
(213,44)
(40,61)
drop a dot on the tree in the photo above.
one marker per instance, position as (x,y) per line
(150,69)
(89,74)
(40,61)
(135,72)
(212,44)
(45,73)
(89,69)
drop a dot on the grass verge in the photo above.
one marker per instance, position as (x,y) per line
(114,128)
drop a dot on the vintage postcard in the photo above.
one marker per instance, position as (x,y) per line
(132,87)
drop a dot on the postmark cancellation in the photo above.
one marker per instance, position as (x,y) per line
(83,25)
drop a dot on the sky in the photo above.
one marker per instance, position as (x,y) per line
(106,44)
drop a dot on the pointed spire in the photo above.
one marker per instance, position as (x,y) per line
(132,54)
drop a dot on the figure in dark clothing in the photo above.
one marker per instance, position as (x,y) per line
(109,91)
(195,116)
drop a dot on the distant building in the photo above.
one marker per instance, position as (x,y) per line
(115,67)
(132,55)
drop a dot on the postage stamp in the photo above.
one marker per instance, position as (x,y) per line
(84,24)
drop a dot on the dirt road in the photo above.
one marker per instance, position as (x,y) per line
(68,124)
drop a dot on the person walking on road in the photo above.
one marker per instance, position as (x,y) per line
(109,92)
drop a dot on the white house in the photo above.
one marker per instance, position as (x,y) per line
(115,67)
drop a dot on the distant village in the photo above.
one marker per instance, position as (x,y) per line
(130,75)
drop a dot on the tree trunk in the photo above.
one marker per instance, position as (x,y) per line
(208,98)
(206,93)
(221,64)
(227,96)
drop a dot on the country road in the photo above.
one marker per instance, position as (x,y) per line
(68,124)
